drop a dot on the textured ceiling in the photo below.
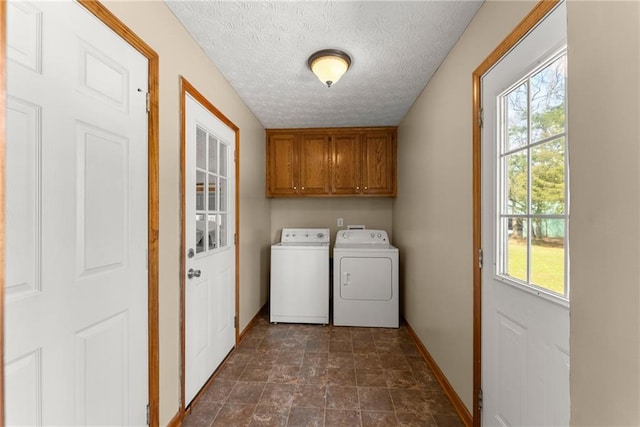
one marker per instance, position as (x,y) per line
(262,48)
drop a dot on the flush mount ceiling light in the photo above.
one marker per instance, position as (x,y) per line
(329,65)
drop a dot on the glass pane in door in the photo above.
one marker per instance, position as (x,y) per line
(223,160)
(200,191)
(516,183)
(516,249)
(200,232)
(223,230)
(547,254)
(223,195)
(548,178)
(516,118)
(212,230)
(201,139)
(548,100)
(212,193)
(213,154)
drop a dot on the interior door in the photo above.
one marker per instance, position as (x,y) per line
(76,279)
(210,259)
(525,299)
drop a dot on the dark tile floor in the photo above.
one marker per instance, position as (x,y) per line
(312,375)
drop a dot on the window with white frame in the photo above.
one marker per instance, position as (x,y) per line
(533,180)
(211,192)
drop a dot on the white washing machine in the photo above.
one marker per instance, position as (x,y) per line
(300,276)
(365,280)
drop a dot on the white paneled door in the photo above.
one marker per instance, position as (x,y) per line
(210,259)
(76,276)
(525,284)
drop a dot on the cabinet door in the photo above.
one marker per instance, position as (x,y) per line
(346,162)
(282,150)
(379,159)
(314,164)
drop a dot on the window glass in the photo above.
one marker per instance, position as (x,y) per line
(201,139)
(533,213)
(517,118)
(211,191)
(516,177)
(213,154)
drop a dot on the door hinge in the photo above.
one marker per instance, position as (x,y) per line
(480,400)
(147,414)
(481,117)
(235,238)
(235,322)
(480,258)
(147,99)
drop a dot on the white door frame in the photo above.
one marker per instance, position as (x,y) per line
(536,15)
(111,21)
(188,88)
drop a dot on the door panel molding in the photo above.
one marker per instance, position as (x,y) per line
(187,88)
(527,24)
(118,27)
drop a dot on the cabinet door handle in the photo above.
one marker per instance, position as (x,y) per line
(366,188)
(302,188)
(295,188)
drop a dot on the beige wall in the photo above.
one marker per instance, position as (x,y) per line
(432,216)
(604,160)
(324,212)
(179,55)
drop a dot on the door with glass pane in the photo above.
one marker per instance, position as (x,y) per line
(210,259)
(525,286)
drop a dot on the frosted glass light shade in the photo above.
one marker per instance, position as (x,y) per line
(329,65)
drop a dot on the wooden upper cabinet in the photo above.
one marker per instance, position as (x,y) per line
(378,163)
(282,155)
(346,161)
(331,162)
(314,164)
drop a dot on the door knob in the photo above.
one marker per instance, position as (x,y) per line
(193,273)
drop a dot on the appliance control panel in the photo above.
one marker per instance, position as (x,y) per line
(305,235)
(367,237)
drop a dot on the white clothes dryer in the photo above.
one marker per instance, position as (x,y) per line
(300,276)
(365,280)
